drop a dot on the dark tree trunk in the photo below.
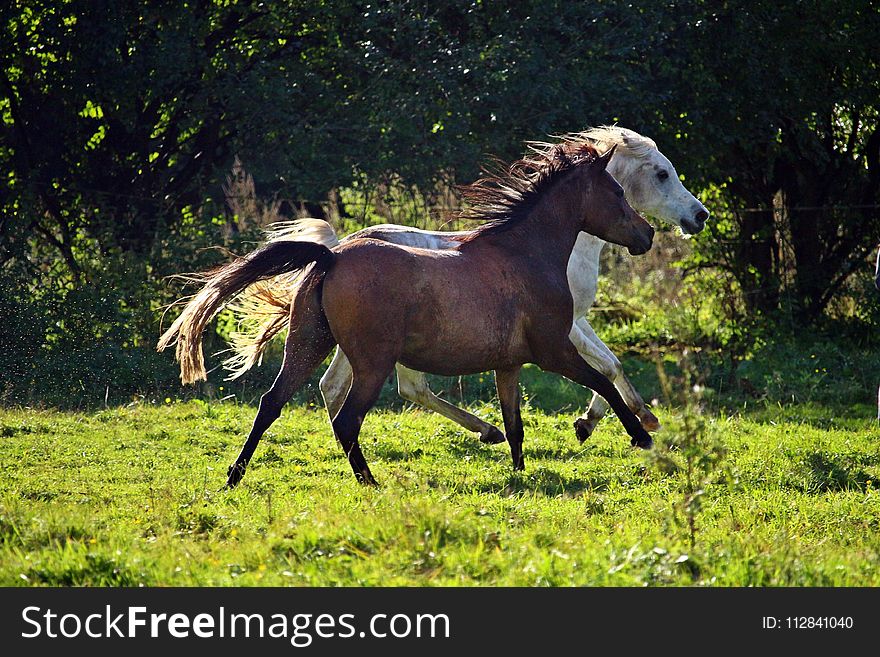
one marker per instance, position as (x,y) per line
(756,260)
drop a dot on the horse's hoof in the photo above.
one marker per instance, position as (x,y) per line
(583,428)
(644,442)
(365,478)
(493,436)
(649,420)
(234,475)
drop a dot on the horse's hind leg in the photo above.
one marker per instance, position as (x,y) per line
(335,383)
(507,385)
(308,343)
(295,371)
(413,385)
(366,385)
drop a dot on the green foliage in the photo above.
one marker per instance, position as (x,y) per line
(118,122)
(687,447)
(73,343)
(790,143)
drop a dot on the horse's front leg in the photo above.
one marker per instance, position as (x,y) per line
(507,385)
(413,385)
(568,362)
(599,356)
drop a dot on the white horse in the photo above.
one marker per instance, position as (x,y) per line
(651,186)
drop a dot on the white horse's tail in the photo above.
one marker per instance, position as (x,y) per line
(303,230)
(262,310)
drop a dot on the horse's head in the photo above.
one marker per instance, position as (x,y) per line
(608,214)
(653,186)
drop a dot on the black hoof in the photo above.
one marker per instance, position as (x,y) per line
(583,429)
(365,478)
(234,475)
(493,437)
(643,442)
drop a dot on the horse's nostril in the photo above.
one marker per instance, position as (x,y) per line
(701,216)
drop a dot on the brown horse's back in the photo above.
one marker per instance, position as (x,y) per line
(444,312)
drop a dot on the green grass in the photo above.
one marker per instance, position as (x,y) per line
(131,496)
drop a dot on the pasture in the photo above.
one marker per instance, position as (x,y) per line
(130,496)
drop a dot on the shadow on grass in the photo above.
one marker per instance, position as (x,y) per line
(395,454)
(546,482)
(821,472)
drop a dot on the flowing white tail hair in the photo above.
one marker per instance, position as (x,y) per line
(262,310)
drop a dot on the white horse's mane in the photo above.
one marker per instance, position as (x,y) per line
(627,141)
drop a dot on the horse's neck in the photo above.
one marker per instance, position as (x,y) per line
(549,233)
(580,265)
(583,272)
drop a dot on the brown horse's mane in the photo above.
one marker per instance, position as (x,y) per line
(507,194)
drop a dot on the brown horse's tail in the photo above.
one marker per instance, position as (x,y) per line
(226,281)
(262,311)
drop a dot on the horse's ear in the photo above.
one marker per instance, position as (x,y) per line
(559,155)
(603,159)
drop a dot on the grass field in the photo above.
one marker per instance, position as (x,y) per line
(131,496)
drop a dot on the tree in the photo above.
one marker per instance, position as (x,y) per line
(784,122)
(118,122)
(119,117)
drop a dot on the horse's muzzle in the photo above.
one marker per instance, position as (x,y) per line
(692,226)
(644,244)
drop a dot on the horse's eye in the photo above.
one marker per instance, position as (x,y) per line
(662,175)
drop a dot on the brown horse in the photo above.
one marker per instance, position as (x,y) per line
(497,301)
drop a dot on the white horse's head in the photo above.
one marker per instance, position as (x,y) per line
(651,184)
